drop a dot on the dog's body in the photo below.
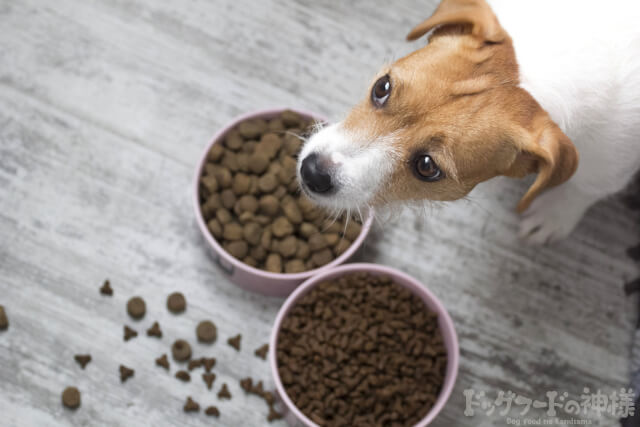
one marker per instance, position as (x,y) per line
(581,61)
(482,99)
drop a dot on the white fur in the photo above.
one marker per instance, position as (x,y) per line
(580,59)
(362,165)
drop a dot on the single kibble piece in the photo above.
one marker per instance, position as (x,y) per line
(267,183)
(136,307)
(126,373)
(322,257)
(258,162)
(290,118)
(317,242)
(233,140)
(181,351)
(183,376)
(224,392)
(281,227)
(206,332)
(212,411)
(129,333)
(208,363)
(262,351)
(232,231)
(353,230)
(71,398)
(288,246)
(209,378)
(176,303)
(191,405)
(106,288)
(274,263)
(269,205)
(194,364)
(216,152)
(82,359)
(235,341)
(163,361)
(154,330)
(4,320)
(294,266)
(238,249)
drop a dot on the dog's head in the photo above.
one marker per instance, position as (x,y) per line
(438,122)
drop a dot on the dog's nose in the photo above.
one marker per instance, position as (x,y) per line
(315,174)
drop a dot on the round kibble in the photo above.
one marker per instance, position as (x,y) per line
(181,351)
(232,231)
(288,246)
(282,227)
(267,182)
(71,397)
(258,162)
(294,266)
(269,205)
(251,233)
(176,303)
(248,204)
(238,249)
(216,152)
(317,242)
(233,140)
(206,332)
(274,263)
(292,212)
(241,184)
(136,308)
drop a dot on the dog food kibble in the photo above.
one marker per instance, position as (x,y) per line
(194,364)
(208,363)
(106,288)
(262,352)
(247,385)
(181,351)
(224,392)
(82,359)
(71,398)
(129,333)
(212,411)
(183,376)
(191,405)
(209,378)
(176,303)
(126,373)
(206,331)
(235,341)
(4,320)
(136,308)
(154,330)
(361,350)
(163,361)
(251,202)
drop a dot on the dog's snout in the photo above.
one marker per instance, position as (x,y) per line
(315,174)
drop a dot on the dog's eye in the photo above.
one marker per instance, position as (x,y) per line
(381,91)
(426,169)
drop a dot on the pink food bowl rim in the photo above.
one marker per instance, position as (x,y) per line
(445,324)
(262,114)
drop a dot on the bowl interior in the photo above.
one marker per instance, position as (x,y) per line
(445,324)
(217,138)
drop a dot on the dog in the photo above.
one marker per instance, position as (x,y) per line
(506,87)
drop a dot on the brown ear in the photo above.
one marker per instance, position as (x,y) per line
(549,152)
(475,13)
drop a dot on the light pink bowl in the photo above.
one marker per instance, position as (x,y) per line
(243,275)
(292,414)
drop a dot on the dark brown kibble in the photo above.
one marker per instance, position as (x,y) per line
(82,359)
(191,405)
(4,320)
(181,351)
(176,303)
(129,333)
(183,376)
(235,341)
(365,342)
(154,330)
(209,378)
(206,332)
(212,411)
(126,373)
(274,415)
(224,392)
(208,363)
(136,308)
(106,288)
(163,361)
(262,351)
(194,364)
(71,398)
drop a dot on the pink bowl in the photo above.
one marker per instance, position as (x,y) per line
(243,275)
(292,414)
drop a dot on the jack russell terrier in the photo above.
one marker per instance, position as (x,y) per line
(508,87)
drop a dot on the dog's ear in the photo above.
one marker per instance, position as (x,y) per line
(544,150)
(475,13)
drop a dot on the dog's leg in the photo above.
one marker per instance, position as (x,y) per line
(555,213)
